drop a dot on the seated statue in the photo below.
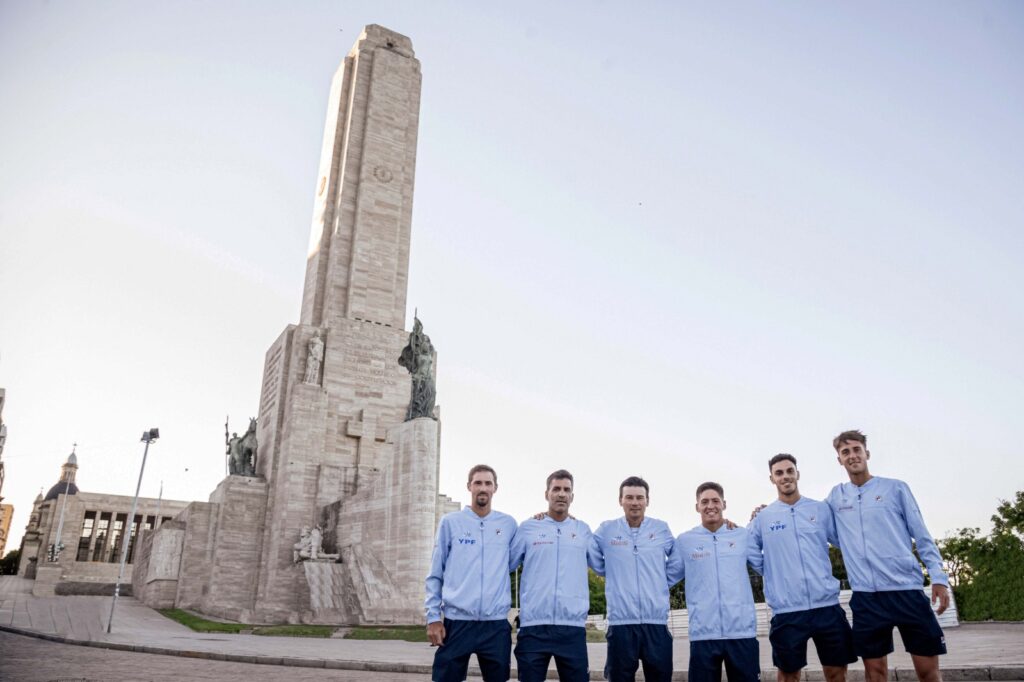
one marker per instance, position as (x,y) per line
(310,546)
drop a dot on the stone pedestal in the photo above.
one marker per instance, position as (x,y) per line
(157,565)
(236,533)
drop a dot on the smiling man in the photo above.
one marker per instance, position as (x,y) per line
(468,588)
(879,524)
(789,542)
(636,555)
(554,593)
(719,601)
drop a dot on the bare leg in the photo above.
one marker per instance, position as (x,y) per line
(927,668)
(834,673)
(876,669)
(789,677)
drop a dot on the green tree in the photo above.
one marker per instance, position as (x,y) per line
(1009,516)
(677,595)
(835,557)
(957,552)
(987,573)
(597,602)
(9,564)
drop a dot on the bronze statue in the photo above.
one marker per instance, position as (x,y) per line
(418,358)
(241,451)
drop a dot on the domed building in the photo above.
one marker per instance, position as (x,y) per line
(74,539)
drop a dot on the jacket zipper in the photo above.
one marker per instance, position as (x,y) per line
(558,546)
(481,568)
(800,553)
(718,584)
(864,539)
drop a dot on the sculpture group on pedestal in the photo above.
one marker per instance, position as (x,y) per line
(241,451)
(310,546)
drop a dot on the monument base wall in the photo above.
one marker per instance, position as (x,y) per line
(236,533)
(385,535)
(157,565)
(196,554)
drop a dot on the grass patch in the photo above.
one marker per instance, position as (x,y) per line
(294,630)
(200,624)
(595,635)
(406,633)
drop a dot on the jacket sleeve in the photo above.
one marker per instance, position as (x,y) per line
(831,534)
(677,570)
(754,544)
(926,548)
(595,552)
(435,579)
(517,549)
(673,560)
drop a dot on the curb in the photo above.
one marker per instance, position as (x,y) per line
(961,674)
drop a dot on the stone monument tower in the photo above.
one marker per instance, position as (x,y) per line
(333,445)
(337,461)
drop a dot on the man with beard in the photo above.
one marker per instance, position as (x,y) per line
(789,542)
(720,603)
(879,524)
(636,556)
(468,589)
(554,595)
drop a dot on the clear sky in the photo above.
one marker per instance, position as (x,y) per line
(660,239)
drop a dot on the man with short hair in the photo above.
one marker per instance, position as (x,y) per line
(719,601)
(554,593)
(789,542)
(636,556)
(879,523)
(468,588)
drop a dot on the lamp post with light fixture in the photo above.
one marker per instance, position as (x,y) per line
(147,438)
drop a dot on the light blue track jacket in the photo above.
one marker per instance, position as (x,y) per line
(718,595)
(876,523)
(638,569)
(468,577)
(789,546)
(553,589)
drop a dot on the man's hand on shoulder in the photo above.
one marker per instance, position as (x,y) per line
(436,633)
(757,510)
(940,593)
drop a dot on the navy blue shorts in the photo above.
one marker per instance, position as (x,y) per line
(490,640)
(631,645)
(827,626)
(537,644)
(741,657)
(875,614)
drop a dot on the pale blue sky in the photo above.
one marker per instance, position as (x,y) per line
(662,239)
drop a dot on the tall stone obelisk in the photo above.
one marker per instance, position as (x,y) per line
(333,400)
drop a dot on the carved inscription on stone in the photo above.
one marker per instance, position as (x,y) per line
(367,363)
(272,374)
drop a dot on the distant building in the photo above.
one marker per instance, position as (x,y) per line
(6,513)
(3,439)
(92,531)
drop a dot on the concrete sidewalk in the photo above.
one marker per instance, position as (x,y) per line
(981,651)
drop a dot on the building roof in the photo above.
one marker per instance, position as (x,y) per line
(61,488)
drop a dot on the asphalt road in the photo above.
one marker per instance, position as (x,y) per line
(27,659)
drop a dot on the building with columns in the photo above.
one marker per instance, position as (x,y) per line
(73,541)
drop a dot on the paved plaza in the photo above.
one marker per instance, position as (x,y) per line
(980,651)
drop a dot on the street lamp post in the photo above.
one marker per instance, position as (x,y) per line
(147,438)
